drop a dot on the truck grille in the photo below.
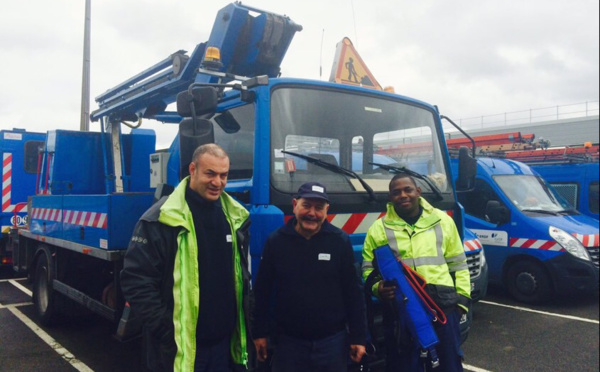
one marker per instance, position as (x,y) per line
(593,251)
(474,263)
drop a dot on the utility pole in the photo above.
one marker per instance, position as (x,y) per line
(85,79)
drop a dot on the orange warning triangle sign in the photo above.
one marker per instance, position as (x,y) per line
(349,68)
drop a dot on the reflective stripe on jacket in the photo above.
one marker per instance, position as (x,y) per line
(433,248)
(186,293)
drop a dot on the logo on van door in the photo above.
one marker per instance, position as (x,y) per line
(492,237)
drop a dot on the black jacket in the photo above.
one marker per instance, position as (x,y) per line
(314,285)
(148,270)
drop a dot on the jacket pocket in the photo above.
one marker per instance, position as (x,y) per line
(444,296)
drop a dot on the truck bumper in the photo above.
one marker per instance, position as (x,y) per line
(573,275)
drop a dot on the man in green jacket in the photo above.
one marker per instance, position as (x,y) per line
(425,239)
(185,273)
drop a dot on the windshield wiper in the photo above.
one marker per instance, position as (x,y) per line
(394,169)
(541,211)
(334,168)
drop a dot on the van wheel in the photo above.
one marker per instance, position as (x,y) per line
(528,282)
(43,294)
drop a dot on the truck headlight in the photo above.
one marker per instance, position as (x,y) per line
(569,243)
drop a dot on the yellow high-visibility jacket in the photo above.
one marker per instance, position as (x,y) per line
(432,247)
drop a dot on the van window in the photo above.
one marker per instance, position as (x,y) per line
(593,196)
(532,194)
(32,151)
(569,191)
(475,201)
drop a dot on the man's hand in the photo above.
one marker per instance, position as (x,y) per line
(357,352)
(261,349)
(386,292)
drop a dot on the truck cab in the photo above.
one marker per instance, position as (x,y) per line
(535,242)
(20,151)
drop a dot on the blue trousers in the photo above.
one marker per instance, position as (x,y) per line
(403,353)
(329,354)
(214,358)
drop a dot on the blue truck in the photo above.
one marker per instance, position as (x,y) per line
(228,91)
(535,242)
(20,152)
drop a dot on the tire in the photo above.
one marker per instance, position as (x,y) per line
(529,282)
(44,296)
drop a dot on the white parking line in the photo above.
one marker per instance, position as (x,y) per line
(474,369)
(16,305)
(20,286)
(541,312)
(60,350)
(64,353)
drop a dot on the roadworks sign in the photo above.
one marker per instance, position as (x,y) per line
(349,68)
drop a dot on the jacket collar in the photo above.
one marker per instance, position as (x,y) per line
(175,211)
(428,217)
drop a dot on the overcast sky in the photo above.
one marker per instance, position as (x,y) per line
(471,58)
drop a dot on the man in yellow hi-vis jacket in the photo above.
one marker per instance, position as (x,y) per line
(426,239)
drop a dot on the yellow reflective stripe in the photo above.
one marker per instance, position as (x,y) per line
(457,267)
(418,261)
(458,258)
(439,239)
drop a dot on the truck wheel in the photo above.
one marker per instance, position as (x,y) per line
(43,294)
(528,282)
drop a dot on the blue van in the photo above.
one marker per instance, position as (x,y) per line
(535,242)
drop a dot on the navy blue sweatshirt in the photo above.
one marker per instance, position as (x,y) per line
(313,285)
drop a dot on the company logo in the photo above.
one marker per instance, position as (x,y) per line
(18,220)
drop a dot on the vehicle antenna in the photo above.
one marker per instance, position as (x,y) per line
(321,57)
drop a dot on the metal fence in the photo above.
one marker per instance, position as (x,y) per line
(575,110)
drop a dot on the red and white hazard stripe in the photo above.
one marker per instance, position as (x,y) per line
(548,245)
(354,223)
(351,223)
(81,218)
(7,207)
(47,214)
(588,240)
(472,245)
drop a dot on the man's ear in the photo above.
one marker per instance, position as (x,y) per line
(192,168)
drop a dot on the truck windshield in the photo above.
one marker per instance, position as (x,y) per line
(532,194)
(352,131)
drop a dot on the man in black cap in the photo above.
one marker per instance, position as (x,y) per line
(307,272)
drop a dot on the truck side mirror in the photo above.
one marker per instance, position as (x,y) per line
(496,213)
(467,170)
(192,133)
(198,101)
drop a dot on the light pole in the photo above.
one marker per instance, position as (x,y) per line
(85,78)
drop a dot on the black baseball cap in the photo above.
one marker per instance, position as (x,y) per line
(312,190)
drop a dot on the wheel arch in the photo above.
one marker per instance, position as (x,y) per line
(510,261)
